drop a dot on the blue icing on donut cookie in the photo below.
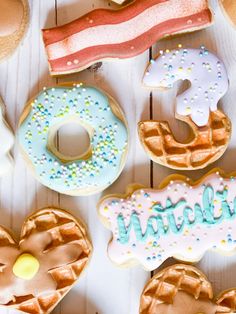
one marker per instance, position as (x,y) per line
(108,139)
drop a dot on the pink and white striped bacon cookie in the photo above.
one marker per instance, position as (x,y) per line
(124,33)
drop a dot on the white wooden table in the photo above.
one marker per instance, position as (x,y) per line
(105,288)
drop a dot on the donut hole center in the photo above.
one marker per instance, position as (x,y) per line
(71,142)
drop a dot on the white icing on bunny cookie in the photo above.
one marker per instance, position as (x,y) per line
(180,220)
(7,141)
(207,74)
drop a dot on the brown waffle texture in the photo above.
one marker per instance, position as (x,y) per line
(58,230)
(192,289)
(207,144)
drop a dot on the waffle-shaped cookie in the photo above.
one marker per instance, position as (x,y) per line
(38,272)
(197,107)
(184,289)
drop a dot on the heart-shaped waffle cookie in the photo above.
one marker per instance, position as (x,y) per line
(184,289)
(37,272)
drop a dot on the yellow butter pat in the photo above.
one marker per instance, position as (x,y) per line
(26,266)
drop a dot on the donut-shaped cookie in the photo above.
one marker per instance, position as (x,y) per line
(180,219)
(120,34)
(104,121)
(197,106)
(182,289)
(39,271)
(14,19)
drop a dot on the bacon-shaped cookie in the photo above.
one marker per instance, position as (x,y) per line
(105,34)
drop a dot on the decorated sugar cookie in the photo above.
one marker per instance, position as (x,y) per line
(37,272)
(182,289)
(197,107)
(14,19)
(181,219)
(108,34)
(229,9)
(7,141)
(105,123)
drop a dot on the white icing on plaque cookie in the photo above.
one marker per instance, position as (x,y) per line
(7,141)
(206,73)
(181,219)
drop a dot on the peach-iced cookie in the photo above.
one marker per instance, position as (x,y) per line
(229,9)
(181,219)
(197,106)
(14,19)
(184,289)
(39,271)
(124,33)
(105,123)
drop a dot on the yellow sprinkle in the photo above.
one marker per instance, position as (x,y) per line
(223,241)
(179,46)
(189,248)
(186,232)
(26,266)
(105,208)
(188,110)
